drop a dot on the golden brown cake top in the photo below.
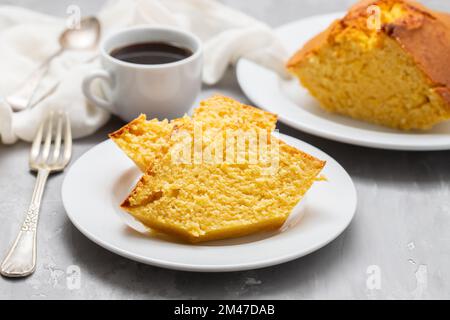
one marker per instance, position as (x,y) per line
(421,32)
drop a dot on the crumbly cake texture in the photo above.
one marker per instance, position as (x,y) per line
(209,201)
(397,76)
(143,140)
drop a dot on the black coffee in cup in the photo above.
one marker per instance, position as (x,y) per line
(151,53)
(152,70)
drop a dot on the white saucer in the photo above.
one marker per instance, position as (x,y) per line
(99,180)
(297,108)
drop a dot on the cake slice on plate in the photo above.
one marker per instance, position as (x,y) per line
(386,62)
(143,140)
(250,191)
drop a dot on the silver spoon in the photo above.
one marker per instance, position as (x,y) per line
(83,38)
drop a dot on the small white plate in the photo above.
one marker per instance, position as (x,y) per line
(297,108)
(99,180)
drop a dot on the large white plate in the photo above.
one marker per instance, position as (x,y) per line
(298,109)
(99,180)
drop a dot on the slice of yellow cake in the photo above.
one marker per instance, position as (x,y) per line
(386,62)
(142,139)
(200,199)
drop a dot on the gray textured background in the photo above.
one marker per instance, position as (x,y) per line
(402,223)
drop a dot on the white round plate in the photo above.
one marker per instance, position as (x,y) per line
(297,108)
(100,180)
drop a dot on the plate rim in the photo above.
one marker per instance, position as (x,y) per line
(208,268)
(429,145)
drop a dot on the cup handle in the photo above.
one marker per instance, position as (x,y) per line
(87,88)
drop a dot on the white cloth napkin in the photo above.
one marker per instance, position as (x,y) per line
(27,38)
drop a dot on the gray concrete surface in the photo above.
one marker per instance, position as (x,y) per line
(401,229)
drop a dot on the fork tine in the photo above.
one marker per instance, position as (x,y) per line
(48,138)
(37,142)
(67,140)
(57,148)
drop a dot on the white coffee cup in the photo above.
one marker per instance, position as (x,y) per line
(157,90)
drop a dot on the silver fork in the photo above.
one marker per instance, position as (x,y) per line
(47,155)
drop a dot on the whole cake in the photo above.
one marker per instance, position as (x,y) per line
(386,62)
